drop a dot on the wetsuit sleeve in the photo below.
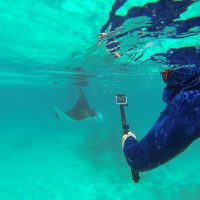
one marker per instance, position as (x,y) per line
(175,129)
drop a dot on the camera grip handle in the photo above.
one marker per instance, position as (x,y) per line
(125,126)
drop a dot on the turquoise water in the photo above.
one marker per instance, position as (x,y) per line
(47,48)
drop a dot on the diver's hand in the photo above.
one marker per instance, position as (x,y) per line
(125,136)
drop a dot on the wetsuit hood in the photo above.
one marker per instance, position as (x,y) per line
(182,79)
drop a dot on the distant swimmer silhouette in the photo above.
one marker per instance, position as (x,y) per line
(80,111)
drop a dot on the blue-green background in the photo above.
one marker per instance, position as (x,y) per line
(42,158)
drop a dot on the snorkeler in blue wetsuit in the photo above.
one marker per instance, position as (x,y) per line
(176,128)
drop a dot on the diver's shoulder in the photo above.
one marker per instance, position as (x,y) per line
(189,97)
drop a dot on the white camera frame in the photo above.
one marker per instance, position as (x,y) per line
(117,98)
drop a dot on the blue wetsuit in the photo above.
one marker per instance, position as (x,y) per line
(176,128)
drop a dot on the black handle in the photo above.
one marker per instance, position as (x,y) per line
(125,126)
(135,176)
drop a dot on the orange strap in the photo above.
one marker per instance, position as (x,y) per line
(165,75)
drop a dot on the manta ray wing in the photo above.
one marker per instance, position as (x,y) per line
(81,109)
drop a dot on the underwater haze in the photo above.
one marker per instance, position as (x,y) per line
(51,48)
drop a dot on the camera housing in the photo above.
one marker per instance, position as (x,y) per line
(121,99)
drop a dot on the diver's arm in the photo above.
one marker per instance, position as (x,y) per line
(174,131)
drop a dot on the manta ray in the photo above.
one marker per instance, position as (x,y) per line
(80,111)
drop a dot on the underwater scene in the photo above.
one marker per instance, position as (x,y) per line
(62,63)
